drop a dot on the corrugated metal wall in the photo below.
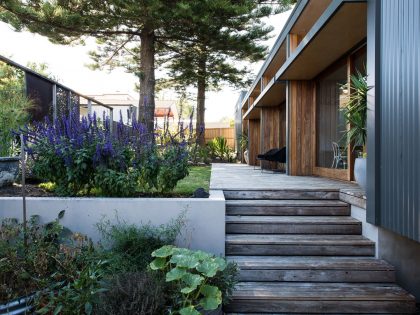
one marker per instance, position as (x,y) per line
(400,117)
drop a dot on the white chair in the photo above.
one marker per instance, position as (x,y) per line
(337,156)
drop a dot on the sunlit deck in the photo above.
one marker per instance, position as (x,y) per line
(241,176)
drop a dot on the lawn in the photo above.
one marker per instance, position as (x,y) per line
(199,177)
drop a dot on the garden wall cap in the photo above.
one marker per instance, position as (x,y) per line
(9,158)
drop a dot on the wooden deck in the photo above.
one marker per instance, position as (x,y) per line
(244,177)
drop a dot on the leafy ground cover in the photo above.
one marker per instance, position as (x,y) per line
(70,275)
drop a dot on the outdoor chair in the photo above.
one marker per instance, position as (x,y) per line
(274,155)
(338,157)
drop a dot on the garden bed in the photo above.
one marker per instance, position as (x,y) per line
(199,177)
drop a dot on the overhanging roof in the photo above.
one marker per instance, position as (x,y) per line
(279,41)
(273,95)
(338,30)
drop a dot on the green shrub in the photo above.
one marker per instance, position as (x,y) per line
(190,273)
(61,267)
(199,154)
(128,247)
(219,149)
(87,155)
(75,295)
(226,280)
(133,293)
(173,168)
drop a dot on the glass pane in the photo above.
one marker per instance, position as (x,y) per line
(332,93)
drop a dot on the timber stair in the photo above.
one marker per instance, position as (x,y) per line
(300,252)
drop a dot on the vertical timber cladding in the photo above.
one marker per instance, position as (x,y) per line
(301,127)
(254,140)
(273,130)
(399,106)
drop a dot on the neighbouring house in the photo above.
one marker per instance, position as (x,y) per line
(125,106)
(295,102)
(166,110)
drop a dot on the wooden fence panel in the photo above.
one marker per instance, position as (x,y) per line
(227,133)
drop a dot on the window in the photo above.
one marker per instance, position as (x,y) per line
(331,95)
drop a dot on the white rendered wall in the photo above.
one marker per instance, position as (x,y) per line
(205,218)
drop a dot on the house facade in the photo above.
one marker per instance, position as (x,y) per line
(296,99)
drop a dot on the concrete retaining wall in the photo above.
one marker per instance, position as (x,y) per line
(399,251)
(205,218)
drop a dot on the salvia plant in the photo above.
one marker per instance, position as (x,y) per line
(91,155)
(191,273)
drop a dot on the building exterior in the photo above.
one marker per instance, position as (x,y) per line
(296,97)
(125,107)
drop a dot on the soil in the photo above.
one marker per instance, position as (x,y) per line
(31,190)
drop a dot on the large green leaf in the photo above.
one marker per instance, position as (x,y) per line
(210,291)
(208,268)
(212,297)
(164,251)
(221,262)
(192,282)
(190,310)
(210,303)
(186,261)
(200,255)
(175,274)
(158,264)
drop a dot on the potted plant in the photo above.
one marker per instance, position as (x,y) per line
(355,114)
(243,141)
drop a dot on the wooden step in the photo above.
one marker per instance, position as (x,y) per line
(313,269)
(298,245)
(292,225)
(287,207)
(282,194)
(320,298)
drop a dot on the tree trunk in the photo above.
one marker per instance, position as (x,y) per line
(201,103)
(147,79)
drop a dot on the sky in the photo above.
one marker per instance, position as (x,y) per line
(68,63)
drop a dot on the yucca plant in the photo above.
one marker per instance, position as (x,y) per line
(220,149)
(355,111)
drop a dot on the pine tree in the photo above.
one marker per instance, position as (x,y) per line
(230,32)
(136,34)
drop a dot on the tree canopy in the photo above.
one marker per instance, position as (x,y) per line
(199,41)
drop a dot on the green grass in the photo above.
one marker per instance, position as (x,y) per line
(199,177)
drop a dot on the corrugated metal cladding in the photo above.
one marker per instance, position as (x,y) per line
(400,117)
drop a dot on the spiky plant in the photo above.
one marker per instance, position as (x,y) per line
(355,111)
